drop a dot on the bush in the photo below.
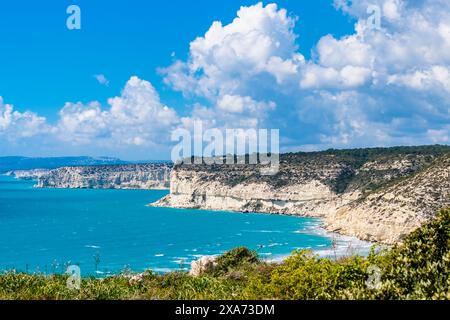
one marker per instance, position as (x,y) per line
(420,268)
(237,258)
(305,276)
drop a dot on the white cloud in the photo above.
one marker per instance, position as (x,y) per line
(371,87)
(80,123)
(238,104)
(16,125)
(231,65)
(101,79)
(347,51)
(259,40)
(434,78)
(315,76)
(367,87)
(136,117)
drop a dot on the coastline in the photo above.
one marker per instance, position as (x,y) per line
(345,245)
(103,188)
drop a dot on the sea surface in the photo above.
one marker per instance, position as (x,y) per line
(112,231)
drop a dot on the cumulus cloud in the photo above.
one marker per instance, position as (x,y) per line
(366,88)
(238,104)
(372,87)
(239,66)
(102,79)
(136,117)
(260,39)
(315,76)
(80,123)
(16,125)
(433,78)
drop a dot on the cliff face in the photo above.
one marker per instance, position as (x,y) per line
(33,174)
(335,185)
(297,190)
(130,176)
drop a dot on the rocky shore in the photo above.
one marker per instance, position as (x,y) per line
(378,194)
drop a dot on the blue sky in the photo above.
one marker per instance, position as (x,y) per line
(54,65)
(357,88)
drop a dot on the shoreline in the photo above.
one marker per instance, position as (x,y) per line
(345,245)
(326,225)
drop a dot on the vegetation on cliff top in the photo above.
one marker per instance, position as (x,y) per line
(417,269)
(343,171)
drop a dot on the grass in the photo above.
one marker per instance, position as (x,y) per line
(417,269)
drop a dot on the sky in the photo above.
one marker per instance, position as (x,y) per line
(318,71)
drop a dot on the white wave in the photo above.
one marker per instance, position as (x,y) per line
(344,246)
(274,244)
(92,246)
(263,231)
(162,270)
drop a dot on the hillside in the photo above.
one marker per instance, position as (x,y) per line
(398,208)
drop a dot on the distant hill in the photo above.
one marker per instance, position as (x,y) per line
(25,163)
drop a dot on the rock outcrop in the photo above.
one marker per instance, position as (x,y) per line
(346,188)
(129,176)
(205,263)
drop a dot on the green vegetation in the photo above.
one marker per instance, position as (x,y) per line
(383,172)
(417,269)
(364,169)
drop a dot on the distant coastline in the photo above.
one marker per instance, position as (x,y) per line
(151,176)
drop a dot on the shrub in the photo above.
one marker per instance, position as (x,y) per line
(235,259)
(420,267)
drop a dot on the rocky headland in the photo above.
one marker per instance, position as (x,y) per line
(128,176)
(379,194)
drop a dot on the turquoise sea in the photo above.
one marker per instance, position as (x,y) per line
(107,231)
